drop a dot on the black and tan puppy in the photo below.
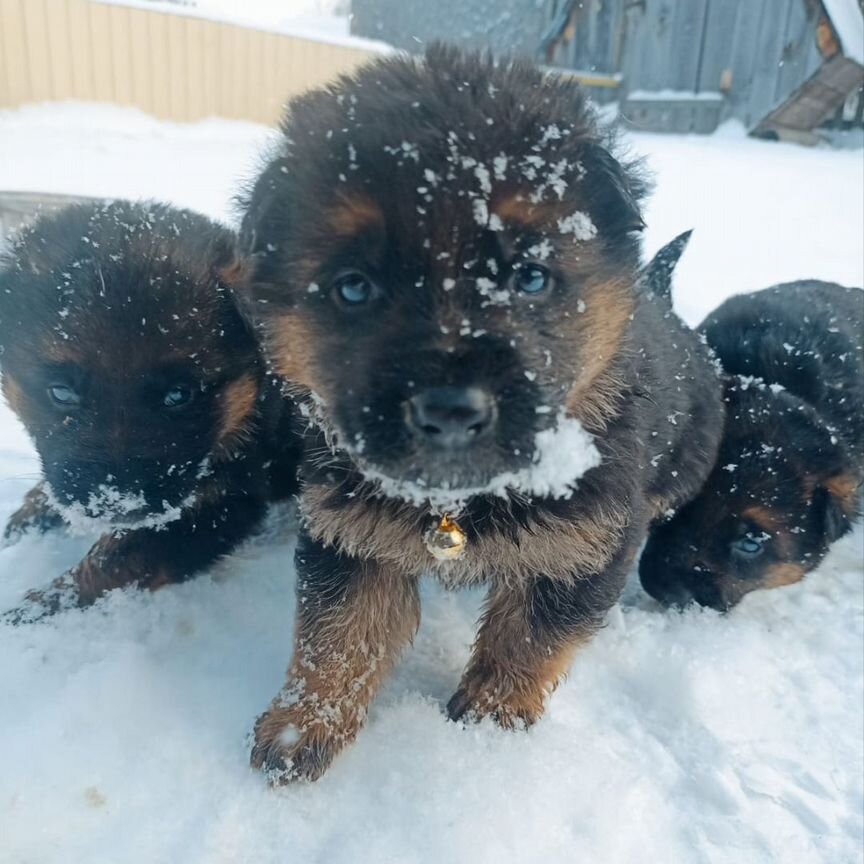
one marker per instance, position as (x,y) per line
(445,263)
(142,388)
(791,462)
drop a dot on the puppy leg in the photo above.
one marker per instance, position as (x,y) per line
(526,641)
(35,514)
(353,618)
(147,557)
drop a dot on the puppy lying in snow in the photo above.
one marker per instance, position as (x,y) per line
(788,476)
(445,271)
(143,391)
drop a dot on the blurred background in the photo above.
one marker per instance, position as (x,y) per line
(783,68)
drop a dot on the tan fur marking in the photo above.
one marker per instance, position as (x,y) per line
(519,210)
(339,662)
(238,408)
(291,348)
(353,215)
(237,274)
(844,487)
(510,674)
(600,331)
(557,549)
(779,575)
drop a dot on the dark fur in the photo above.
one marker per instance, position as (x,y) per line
(121,303)
(790,464)
(344,192)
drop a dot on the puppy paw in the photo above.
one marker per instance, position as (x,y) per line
(60,595)
(511,701)
(34,515)
(288,753)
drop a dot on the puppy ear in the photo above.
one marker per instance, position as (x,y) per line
(656,277)
(614,190)
(836,499)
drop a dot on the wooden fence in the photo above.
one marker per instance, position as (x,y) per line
(171,65)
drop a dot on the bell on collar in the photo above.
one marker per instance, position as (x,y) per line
(446,541)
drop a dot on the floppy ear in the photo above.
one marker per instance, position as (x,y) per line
(614,190)
(836,499)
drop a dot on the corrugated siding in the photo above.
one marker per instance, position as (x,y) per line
(172,66)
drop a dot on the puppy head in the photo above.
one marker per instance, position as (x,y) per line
(445,253)
(782,490)
(123,355)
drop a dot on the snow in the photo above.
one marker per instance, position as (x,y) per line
(563,453)
(674,96)
(316,20)
(848,21)
(679,738)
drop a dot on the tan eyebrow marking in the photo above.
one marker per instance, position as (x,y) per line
(354,214)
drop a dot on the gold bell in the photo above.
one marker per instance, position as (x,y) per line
(446,541)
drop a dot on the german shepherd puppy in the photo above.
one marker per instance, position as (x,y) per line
(142,388)
(787,479)
(445,258)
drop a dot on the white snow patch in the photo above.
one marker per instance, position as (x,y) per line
(562,454)
(579,224)
(108,511)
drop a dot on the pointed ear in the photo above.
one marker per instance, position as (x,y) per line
(656,277)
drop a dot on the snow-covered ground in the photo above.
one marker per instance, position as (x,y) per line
(677,738)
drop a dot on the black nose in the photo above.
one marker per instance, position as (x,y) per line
(451,417)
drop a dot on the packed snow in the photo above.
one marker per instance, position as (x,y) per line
(689,737)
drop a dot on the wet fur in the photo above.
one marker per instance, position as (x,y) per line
(791,462)
(121,301)
(340,188)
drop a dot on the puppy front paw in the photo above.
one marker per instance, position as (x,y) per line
(35,514)
(512,700)
(60,595)
(287,751)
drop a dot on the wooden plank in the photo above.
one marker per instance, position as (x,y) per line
(140,52)
(36,48)
(211,65)
(686,45)
(177,74)
(101,53)
(763,83)
(59,53)
(79,46)
(158,63)
(196,67)
(121,57)
(13,46)
(719,44)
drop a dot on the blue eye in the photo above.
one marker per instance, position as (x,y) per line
(354,289)
(749,546)
(531,279)
(64,396)
(178,396)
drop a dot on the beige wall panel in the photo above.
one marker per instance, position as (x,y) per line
(59,50)
(177,69)
(121,52)
(36,47)
(172,66)
(160,83)
(102,52)
(140,53)
(13,51)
